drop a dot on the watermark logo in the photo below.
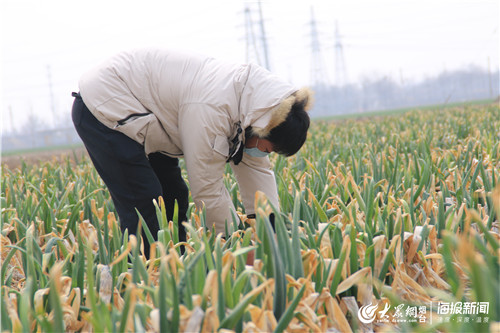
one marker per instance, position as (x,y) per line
(367,313)
(463,312)
(450,308)
(404,313)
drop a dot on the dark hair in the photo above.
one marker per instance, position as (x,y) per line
(289,136)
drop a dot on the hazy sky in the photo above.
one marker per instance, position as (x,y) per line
(57,40)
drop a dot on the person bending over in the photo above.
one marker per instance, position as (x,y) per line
(142,110)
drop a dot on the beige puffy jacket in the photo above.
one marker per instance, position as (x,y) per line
(189,105)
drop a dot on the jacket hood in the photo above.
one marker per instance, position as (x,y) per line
(262,92)
(278,114)
(266,100)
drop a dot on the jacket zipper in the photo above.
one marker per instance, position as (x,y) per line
(170,154)
(123,121)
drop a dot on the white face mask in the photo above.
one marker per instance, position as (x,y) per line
(255,152)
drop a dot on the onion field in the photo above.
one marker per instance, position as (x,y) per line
(385,224)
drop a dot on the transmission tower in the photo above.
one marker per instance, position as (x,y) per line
(256,48)
(340,67)
(250,39)
(319,78)
(263,37)
(51,92)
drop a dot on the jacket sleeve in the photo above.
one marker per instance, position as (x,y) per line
(255,174)
(205,150)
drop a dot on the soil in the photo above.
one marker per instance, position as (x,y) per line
(56,155)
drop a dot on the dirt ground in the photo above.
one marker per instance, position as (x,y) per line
(56,155)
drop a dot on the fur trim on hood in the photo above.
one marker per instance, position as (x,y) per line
(281,111)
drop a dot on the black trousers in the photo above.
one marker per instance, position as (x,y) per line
(133,179)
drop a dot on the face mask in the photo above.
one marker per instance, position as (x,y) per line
(255,152)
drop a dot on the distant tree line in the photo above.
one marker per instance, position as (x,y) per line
(372,94)
(385,93)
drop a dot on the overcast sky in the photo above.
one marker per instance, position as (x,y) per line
(57,40)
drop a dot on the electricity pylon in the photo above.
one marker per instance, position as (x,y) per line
(319,77)
(256,48)
(340,66)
